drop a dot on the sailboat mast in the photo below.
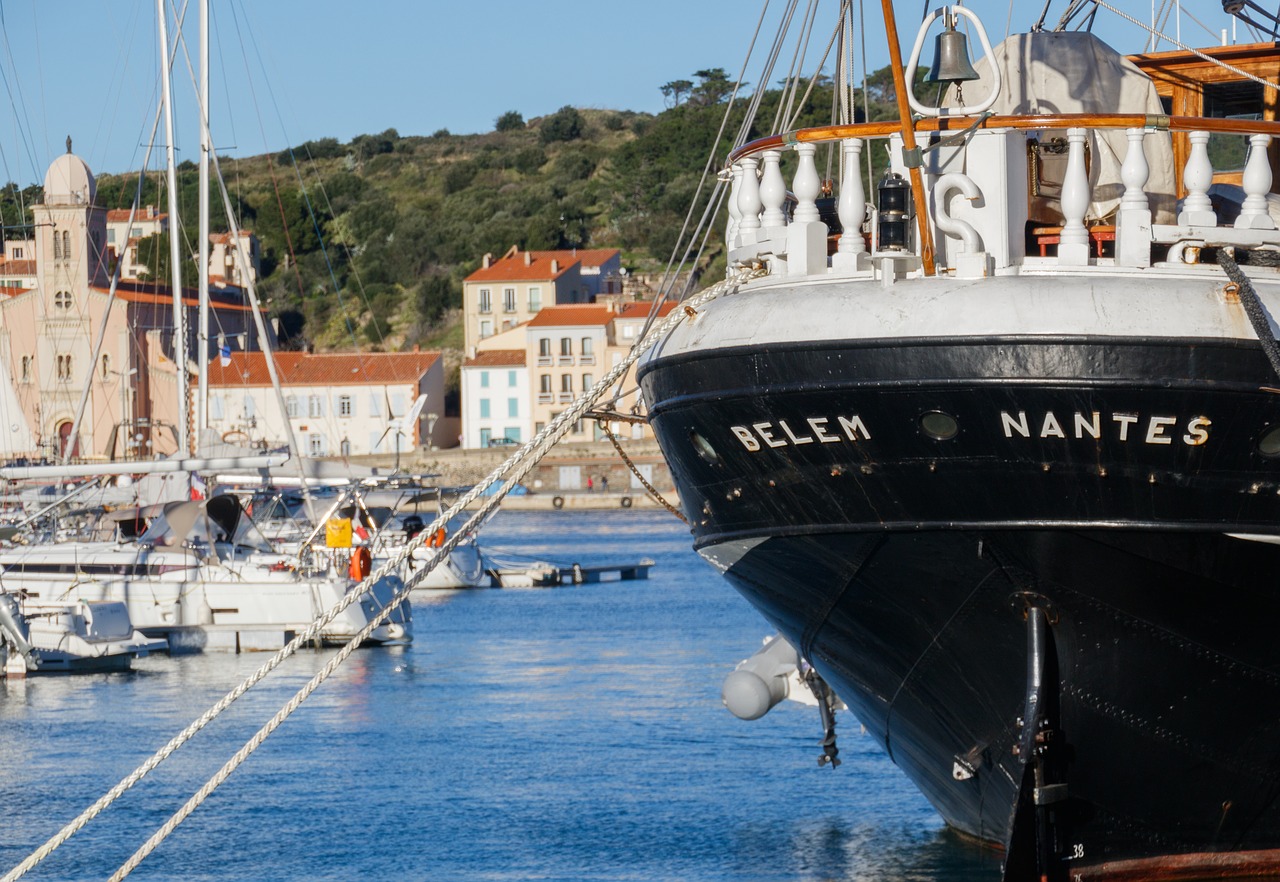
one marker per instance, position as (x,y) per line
(175,265)
(202,358)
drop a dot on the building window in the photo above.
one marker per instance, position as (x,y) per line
(315,406)
(215,407)
(486,303)
(484,379)
(566,382)
(64,367)
(315,445)
(486,329)
(484,408)
(17,254)
(538,427)
(511,378)
(485,435)
(566,346)
(375,405)
(628,331)
(111,236)
(291,405)
(249,408)
(535,298)
(62,299)
(587,382)
(544,384)
(57,246)
(508,299)
(66,246)
(346,447)
(586,346)
(344,406)
(26,368)
(106,366)
(513,407)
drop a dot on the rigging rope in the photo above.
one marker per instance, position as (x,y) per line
(1201,55)
(516,465)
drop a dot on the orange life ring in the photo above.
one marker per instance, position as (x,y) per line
(437,538)
(361,563)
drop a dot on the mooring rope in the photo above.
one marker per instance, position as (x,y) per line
(1253,308)
(536,448)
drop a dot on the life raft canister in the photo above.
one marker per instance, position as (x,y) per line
(361,563)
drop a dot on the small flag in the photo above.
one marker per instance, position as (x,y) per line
(199,489)
(224,354)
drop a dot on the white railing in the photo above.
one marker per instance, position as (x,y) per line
(761,230)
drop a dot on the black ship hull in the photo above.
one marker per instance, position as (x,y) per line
(908,513)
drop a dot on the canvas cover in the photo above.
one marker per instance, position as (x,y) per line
(1075,72)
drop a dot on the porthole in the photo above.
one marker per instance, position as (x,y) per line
(1269,443)
(939,426)
(703,446)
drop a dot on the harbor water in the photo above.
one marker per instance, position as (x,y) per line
(570,733)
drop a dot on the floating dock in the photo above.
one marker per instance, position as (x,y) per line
(549,576)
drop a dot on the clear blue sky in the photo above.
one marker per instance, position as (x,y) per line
(292,70)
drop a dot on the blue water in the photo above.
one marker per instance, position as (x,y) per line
(554,734)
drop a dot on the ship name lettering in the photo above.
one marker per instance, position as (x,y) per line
(779,433)
(1158,429)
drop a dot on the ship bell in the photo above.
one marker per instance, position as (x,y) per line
(951,56)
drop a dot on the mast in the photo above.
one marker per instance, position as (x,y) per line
(202,359)
(175,265)
(908,137)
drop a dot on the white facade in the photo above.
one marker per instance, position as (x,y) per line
(495,400)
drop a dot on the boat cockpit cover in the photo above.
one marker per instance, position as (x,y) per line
(206,524)
(1075,72)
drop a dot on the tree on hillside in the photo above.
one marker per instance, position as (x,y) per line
(713,87)
(675,90)
(510,121)
(154,253)
(563,125)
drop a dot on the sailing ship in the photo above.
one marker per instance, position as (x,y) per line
(1005,470)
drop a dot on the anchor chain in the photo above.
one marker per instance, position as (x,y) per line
(635,471)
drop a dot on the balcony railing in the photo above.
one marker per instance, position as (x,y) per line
(546,398)
(586,359)
(565,360)
(544,361)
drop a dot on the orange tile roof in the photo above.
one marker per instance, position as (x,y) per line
(497,358)
(323,369)
(17,267)
(641,310)
(584,256)
(562,316)
(121,215)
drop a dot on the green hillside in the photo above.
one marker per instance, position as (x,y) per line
(366,243)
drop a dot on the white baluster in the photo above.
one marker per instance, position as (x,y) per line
(773,193)
(806,235)
(807,186)
(749,204)
(851,206)
(1073,242)
(1133,220)
(735,212)
(1197,177)
(1257,184)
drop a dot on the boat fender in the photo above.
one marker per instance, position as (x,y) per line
(361,563)
(760,682)
(557,502)
(437,538)
(626,502)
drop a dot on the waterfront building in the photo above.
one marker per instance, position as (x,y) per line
(495,397)
(59,304)
(507,291)
(338,404)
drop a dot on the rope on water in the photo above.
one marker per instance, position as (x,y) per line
(518,464)
(1253,308)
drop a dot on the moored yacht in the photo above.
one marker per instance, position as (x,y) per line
(202,576)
